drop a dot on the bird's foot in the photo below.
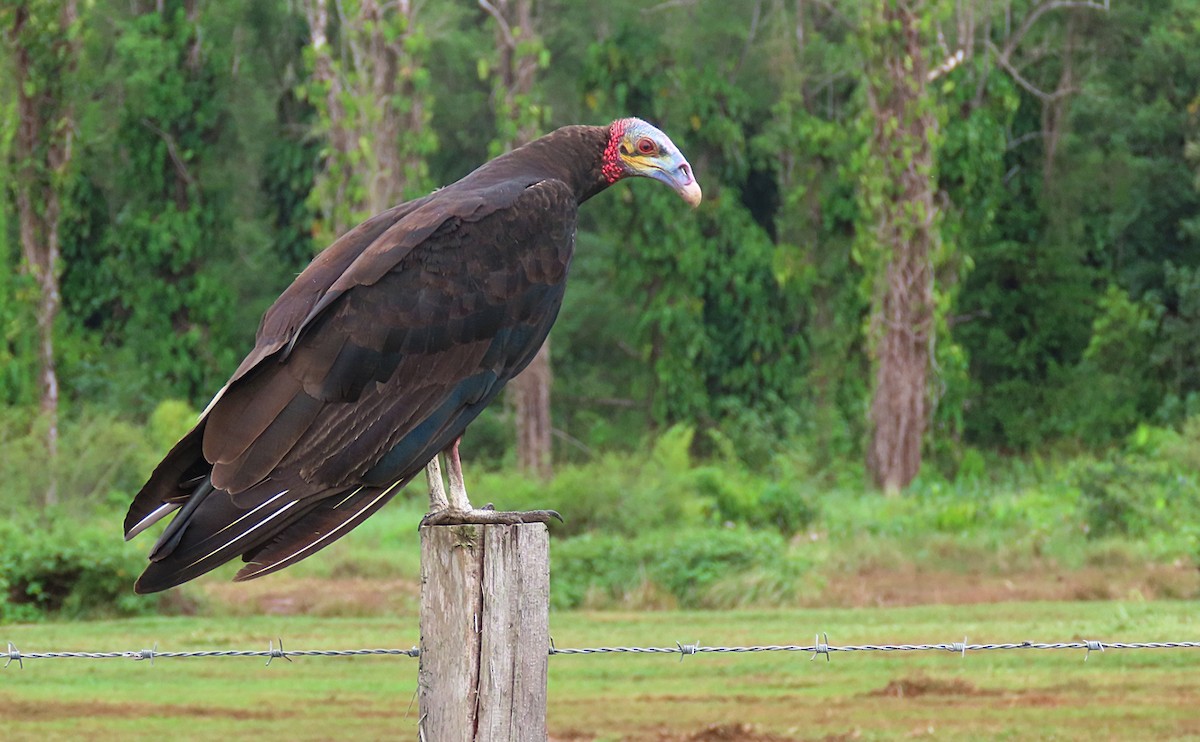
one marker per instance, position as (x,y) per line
(487,516)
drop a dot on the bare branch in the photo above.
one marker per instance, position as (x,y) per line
(501,23)
(1003,60)
(173,151)
(1029,137)
(1015,39)
(668,4)
(751,37)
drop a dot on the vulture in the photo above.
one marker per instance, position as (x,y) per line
(374,361)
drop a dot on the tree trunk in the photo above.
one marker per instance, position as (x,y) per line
(518,118)
(42,155)
(531,397)
(907,233)
(371,100)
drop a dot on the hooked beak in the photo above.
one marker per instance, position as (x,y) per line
(678,175)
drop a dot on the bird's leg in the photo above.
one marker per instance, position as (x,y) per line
(458,487)
(437,489)
(457,509)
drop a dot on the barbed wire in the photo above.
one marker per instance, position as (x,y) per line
(272,652)
(819,647)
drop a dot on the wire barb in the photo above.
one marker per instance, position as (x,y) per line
(686,649)
(820,647)
(273,652)
(961,647)
(148,654)
(14,654)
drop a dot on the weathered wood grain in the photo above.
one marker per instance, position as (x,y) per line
(485,635)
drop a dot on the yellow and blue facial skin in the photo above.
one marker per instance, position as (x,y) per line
(648,152)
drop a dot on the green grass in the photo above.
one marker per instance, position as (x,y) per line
(1135,694)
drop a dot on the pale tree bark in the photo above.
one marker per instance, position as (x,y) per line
(517,47)
(907,232)
(519,117)
(41,154)
(373,104)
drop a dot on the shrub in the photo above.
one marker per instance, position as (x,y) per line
(55,566)
(786,507)
(616,493)
(697,567)
(1134,495)
(606,565)
(689,562)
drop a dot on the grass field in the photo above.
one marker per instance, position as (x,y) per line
(1131,694)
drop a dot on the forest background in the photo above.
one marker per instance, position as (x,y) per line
(943,289)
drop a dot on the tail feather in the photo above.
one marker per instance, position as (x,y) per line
(216,532)
(331,519)
(173,533)
(178,473)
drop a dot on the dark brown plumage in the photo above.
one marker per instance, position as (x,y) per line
(377,358)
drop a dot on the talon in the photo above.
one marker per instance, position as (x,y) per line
(451,517)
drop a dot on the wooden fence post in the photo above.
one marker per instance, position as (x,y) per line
(485,633)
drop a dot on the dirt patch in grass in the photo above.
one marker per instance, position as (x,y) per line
(914,686)
(870,587)
(726,732)
(906,585)
(723,732)
(314,597)
(734,732)
(18,710)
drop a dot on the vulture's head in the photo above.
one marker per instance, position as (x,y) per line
(637,148)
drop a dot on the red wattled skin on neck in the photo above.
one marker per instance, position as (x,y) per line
(613,168)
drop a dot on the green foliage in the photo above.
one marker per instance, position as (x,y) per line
(614,493)
(18,338)
(1127,496)
(786,508)
(145,277)
(169,422)
(56,566)
(1111,211)
(101,458)
(520,114)
(715,324)
(690,567)
(370,90)
(1151,487)
(1176,353)
(661,485)
(815,153)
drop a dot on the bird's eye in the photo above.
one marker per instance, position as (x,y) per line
(645,146)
